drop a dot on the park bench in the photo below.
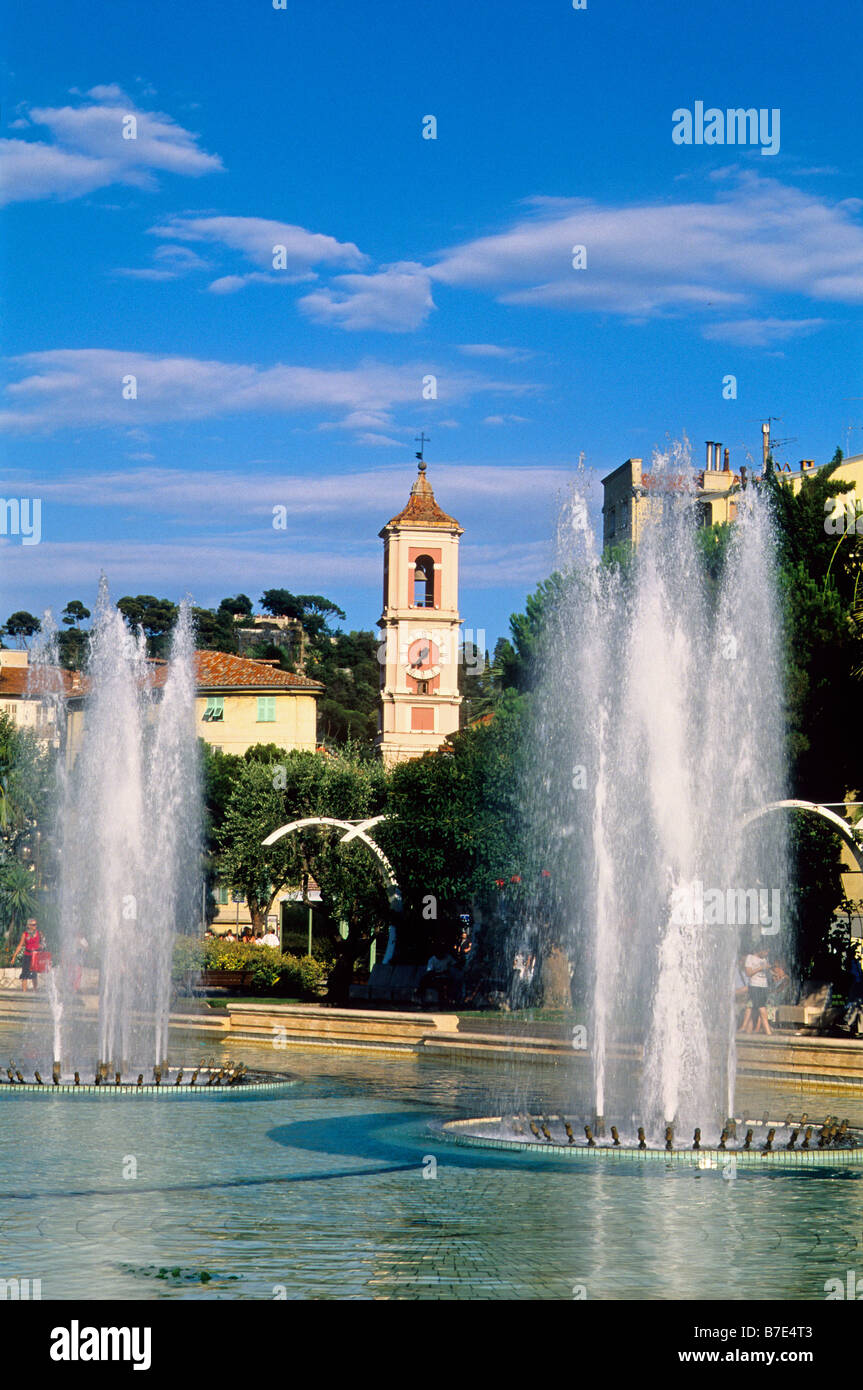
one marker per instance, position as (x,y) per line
(231,981)
(811,1010)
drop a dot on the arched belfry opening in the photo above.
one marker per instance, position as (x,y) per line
(424,582)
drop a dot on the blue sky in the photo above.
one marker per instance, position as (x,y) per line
(302,386)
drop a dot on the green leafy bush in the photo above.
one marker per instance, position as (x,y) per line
(313,974)
(188,962)
(271,972)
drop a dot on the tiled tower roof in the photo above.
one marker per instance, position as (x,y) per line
(422,510)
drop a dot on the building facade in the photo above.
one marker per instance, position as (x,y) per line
(238,703)
(420,700)
(34,696)
(632,494)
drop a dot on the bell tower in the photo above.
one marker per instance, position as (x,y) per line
(420,626)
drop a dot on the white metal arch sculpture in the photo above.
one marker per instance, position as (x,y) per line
(845,830)
(354,830)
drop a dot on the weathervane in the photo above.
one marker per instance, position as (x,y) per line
(422,439)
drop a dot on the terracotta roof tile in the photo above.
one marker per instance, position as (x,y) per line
(221,669)
(18,682)
(422,510)
(213,670)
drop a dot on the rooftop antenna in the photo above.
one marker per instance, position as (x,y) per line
(765,438)
(851,426)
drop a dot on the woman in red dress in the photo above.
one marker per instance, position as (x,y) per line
(30,943)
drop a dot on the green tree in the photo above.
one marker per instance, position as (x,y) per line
(238,607)
(281,603)
(518,659)
(74,613)
(455,826)
(215,631)
(155,616)
(273,787)
(21,626)
(822,651)
(802,532)
(24,786)
(347,663)
(18,897)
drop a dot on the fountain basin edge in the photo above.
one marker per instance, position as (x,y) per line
(458,1132)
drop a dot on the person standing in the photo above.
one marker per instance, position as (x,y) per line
(30,943)
(755,969)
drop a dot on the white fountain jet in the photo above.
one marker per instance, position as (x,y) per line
(662,684)
(130,832)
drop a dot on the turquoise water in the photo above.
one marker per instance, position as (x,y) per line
(322,1194)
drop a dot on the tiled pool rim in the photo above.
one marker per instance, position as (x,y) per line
(459,1132)
(66,1091)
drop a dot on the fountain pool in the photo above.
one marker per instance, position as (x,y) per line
(327,1193)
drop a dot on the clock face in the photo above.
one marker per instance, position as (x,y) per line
(423,658)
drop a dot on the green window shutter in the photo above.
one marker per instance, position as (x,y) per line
(215,711)
(266,709)
(222,895)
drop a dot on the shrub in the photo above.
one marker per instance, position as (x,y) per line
(313,974)
(287,975)
(188,961)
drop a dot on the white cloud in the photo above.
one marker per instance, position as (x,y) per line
(84,387)
(172,262)
(380,441)
(88,149)
(230,284)
(506,420)
(508,354)
(764,332)
(214,528)
(756,238)
(396,299)
(191,565)
(256,237)
(209,495)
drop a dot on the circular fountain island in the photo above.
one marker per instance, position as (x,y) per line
(651,792)
(205,1081)
(759,1144)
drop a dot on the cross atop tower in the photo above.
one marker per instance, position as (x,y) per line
(422,439)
